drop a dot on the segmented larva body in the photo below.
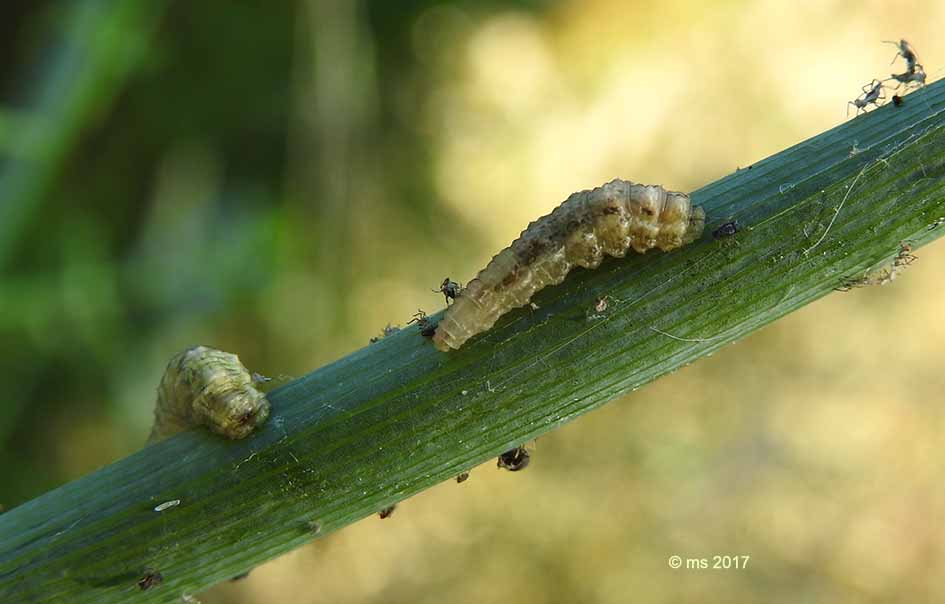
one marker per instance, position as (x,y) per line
(205,386)
(611,219)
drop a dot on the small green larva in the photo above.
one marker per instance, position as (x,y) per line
(610,219)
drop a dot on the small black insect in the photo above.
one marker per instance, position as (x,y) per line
(514,460)
(726,230)
(387,512)
(462,477)
(897,100)
(449,289)
(388,331)
(427,329)
(149,580)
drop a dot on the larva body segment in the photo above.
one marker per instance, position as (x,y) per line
(610,219)
(205,386)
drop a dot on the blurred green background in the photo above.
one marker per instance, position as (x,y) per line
(283,179)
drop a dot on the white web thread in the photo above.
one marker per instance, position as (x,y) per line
(882,159)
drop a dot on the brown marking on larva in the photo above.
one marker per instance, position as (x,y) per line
(588,225)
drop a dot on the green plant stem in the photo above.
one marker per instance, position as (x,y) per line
(397,416)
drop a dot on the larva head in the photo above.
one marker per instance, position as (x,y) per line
(229,403)
(674,221)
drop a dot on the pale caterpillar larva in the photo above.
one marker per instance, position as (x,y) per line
(205,386)
(611,219)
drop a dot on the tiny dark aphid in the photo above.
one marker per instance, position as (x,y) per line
(149,580)
(726,230)
(602,303)
(872,93)
(449,289)
(387,512)
(419,317)
(462,477)
(913,75)
(427,329)
(905,257)
(388,331)
(514,460)
(905,51)
(897,100)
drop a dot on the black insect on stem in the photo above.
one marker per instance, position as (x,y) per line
(462,477)
(514,460)
(427,329)
(726,230)
(388,331)
(150,579)
(449,289)
(387,512)
(897,100)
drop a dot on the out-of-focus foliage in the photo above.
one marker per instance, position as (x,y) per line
(283,179)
